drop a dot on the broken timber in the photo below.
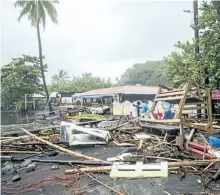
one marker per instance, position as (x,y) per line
(191,97)
(170,165)
(61,148)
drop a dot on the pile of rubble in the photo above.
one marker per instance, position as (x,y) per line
(148,151)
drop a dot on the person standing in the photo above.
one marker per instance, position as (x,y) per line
(144,109)
(138,107)
(167,110)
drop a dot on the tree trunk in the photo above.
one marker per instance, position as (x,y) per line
(42,66)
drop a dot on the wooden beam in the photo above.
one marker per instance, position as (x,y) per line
(195,108)
(161,121)
(174,90)
(61,148)
(169,98)
(182,101)
(195,103)
(171,94)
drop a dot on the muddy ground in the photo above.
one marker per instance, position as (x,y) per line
(172,185)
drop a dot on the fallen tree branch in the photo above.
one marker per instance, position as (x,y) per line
(18,152)
(61,148)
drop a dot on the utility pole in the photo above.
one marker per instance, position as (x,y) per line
(195,8)
(196,30)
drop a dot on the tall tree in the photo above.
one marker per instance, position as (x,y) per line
(182,65)
(36,12)
(150,72)
(82,83)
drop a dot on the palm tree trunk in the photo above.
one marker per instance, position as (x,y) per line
(42,66)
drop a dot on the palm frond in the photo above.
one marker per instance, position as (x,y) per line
(20,3)
(42,15)
(37,11)
(32,15)
(51,11)
(26,10)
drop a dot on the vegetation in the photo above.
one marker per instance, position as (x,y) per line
(182,65)
(62,83)
(36,12)
(152,72)
(20,77)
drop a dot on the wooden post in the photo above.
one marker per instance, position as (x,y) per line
(178,114)
(210,127)
(61,148)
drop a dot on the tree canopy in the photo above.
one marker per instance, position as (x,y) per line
(82,83)
(182,65)
(151,72)
(20,77)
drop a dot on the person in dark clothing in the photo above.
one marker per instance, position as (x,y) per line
(138,108)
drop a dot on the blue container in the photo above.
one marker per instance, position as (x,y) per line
(214,141)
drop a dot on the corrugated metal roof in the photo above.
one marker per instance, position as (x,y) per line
(129,89)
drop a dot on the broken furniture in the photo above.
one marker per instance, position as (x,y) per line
(77,135)
(193,103)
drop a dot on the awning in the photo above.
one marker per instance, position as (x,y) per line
(94,96)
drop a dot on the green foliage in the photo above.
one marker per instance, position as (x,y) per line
(182,65)
(86,82)
(152,72)
(20,77)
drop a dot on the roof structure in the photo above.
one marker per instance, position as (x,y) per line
(128,89)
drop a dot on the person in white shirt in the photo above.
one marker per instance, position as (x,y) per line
(133,111)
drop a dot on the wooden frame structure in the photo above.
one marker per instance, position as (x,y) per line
(190,98)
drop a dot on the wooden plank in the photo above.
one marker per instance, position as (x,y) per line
(195,103)
(154,104)
(196,126)
(195,107)
(161,121)
(174,90)
(182,101)
(169,98)
(171,94)
(198,91)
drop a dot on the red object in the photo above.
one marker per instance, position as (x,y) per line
(216,94)
(196,146)
(201,153)
(160,115)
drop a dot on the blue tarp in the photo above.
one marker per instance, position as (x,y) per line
(214,141)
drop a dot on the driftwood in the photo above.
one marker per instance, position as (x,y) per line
(78,162)
(18,152)
(90,169)
(18,138)
(123,144)
(170,165)
(61,148)
(192,163)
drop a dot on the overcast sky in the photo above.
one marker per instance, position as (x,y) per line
(103,37)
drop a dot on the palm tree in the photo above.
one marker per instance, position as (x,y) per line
(36,10)
(61,76)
